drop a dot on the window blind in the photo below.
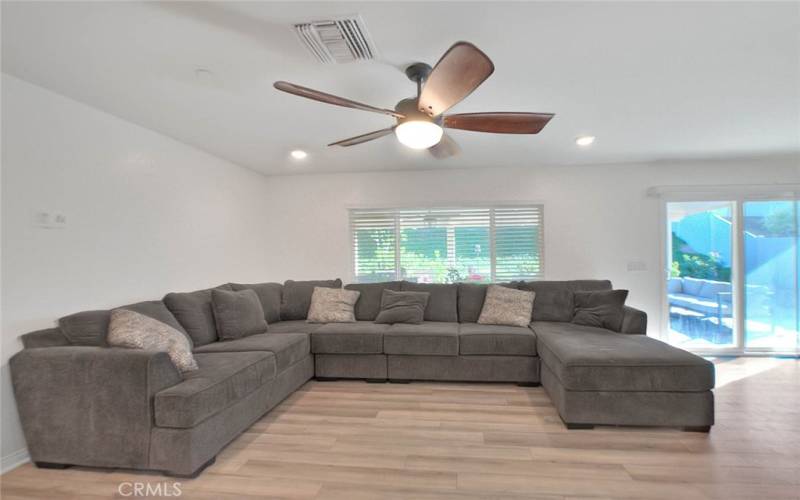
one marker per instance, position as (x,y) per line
(447,245)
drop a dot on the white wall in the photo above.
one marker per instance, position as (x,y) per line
(597,218)
(146,215)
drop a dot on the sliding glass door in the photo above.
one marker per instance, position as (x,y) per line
(700,289)
(732,275)
(770,275)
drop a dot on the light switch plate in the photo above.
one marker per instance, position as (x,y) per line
(637,265)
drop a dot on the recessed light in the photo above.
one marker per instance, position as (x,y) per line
(299,154)
(584,140)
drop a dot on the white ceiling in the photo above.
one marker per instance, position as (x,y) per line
(652,81)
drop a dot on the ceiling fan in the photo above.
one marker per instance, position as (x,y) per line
(420,119)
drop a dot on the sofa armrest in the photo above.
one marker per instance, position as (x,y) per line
(634,321)
(89,406)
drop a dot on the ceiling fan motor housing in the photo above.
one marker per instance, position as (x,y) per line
(410,108)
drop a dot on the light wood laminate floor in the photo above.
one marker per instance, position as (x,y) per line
(424,441)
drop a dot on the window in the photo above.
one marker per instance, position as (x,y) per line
(733,270)
(448,245)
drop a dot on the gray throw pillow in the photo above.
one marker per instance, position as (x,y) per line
(506,306)
(601,309)
(402,307)
(369,302)
(132,330)
(332,305)
(296,298)
(237,314)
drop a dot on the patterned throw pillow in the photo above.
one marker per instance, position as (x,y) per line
(506,306)
(332,305)
(137,331)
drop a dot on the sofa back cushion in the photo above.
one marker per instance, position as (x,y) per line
(237,314)
(369,302)
(692,286)
(470,300)
(194,312)
(296,298)
(442,303)
(711,289)
(90,328)
(675,285)
(269,294)
(555,299)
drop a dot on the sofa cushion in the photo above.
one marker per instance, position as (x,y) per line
(499,340)
(237,314)
(361,337)
(504,306)
(88,328)
(296,297)
(586,358)
(443,302)
(294,326)
(332,305)
(431,338)
(692,286)
(712,289)
(193,311)
(470,300)
(91,327)
(675,285)
(288,348)
(602,309)
(555,299)
(402,307)
(270,296)
(132,330)
(223,379)
(369,302)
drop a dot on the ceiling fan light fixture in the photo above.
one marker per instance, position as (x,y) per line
(584,140)
(418,134)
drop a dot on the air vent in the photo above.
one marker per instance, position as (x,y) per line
(337,41)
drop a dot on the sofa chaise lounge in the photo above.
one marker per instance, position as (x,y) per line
(84,403)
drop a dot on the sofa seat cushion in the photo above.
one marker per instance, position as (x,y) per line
(431,338)
(361,337)
(223,379)
(586,358)
(293,326)
(288,348)
(496,340)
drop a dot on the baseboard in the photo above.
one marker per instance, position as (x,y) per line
(14,460)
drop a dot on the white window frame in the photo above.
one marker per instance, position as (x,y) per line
(738,195)
(437,206)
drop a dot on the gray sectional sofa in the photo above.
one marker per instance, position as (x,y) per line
(84,403)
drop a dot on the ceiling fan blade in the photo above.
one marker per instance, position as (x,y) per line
(460,70)
(499,123)
(359,139)
(332,99)
(446,148)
